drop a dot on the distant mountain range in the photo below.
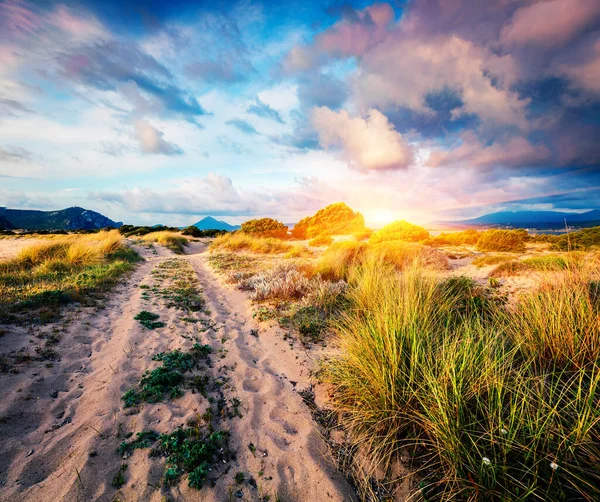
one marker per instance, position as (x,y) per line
(528,219)
(72,218)
(210,223)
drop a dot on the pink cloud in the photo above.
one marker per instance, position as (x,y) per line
(550,23)
(355,37)
(515,152)
(346,38)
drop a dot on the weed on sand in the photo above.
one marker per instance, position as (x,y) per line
(170,378)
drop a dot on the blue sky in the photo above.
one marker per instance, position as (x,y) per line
(163,112)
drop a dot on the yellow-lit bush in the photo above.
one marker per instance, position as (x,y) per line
(335,219)
(400,231)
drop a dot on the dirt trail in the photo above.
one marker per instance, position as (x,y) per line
(60,425)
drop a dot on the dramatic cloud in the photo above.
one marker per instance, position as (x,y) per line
(480,78)
(261,109)
(369,144)
(242,125)
(151,140)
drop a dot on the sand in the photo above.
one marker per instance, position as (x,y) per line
(61,422)
(10,246)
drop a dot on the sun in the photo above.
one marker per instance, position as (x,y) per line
(380,217)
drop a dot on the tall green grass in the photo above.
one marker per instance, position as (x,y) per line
(490,403)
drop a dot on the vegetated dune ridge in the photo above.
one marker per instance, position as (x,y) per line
(61,424)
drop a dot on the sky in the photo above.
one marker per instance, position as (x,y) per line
(164,112)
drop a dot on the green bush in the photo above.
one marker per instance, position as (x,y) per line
(265,227)
(580,240)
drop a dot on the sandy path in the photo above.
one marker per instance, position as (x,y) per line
(60,425)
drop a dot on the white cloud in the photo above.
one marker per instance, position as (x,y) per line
(369,144)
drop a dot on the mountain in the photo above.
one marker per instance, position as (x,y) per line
(210,223)
(72,218)
(529,219)
(5,224)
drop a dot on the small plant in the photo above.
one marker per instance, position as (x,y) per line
(240,477)
(149,320)
(142,440)
(169,379)
(119,479)
(192,450)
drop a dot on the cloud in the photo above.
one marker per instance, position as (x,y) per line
(481,78)
(263,110)
(151,140)
(515,152)
(242,125)
(369,144)
(14,154)
(550,23)
(354,35)
(12,107)
(212,195)
(108,65)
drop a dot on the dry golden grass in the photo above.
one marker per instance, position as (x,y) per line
(172,240)
(238,241)
(62,268)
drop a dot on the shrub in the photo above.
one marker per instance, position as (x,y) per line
(194,231)
(238,241)
(284,282)
(265,227)
(400,231)
(321,240)
(502,240)
(335,219)
(464,237)
(580,240)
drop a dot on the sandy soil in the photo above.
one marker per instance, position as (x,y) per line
(61,422)
(10,246)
